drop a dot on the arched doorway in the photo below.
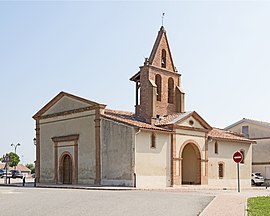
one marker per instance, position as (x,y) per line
(67,169)
(191,164)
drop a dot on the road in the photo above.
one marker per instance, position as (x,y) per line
(55,202)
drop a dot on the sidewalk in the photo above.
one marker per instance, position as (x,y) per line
(30,183)
(229,203)
(85,187)
(226,205)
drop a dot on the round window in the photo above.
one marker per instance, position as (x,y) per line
(191,122)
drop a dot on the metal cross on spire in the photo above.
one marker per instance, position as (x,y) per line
(162,19)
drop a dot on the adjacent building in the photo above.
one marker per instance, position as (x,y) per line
(25,171)
(80,141)
(260,132)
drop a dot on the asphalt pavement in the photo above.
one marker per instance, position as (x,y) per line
(99,200)
(55,202)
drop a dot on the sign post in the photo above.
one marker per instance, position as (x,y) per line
(237,158)
(6,159)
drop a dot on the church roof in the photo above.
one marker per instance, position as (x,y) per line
(215,133)
(221,134)
(130,119)
(172,119)
(179,117)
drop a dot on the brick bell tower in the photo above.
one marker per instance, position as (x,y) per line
(158,90)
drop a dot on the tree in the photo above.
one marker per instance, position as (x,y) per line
(31,167)
(14,159)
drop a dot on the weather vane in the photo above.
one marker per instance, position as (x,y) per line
(162,18)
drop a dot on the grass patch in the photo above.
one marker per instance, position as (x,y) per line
(258,206)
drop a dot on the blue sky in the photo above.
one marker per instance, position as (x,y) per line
(91,49)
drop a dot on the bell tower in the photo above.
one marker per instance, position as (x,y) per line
(158,90)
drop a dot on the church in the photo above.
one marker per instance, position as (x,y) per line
(79,141)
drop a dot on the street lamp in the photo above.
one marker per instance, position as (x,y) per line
(15,146)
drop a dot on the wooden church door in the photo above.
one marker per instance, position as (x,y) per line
(67,170)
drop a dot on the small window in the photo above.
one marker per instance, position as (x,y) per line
(163,58)
(245,131)
(220,169)
(170,90)
(216,147)
(153,140)
(243,153)
(158,83)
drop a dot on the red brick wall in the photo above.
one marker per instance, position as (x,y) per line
(149,106)
(157,59)
(146,92)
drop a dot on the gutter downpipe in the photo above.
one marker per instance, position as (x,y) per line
(134,174)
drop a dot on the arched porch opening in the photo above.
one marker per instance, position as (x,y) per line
(191,164)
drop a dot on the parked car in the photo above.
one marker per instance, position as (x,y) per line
(1,172)
(7,174)
(257,178)
(16,174)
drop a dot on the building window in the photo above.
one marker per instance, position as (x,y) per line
(170,90)
(243,153)
(245,131)
(153,140)
(216,147)
(163,58)
(158,83)
(220,169)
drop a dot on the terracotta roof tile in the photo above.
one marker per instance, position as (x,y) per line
(129,118)
(171,119)
(228,135)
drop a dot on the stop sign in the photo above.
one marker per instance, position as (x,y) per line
(237,157)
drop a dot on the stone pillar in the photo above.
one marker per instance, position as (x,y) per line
(97,139)
(173,159)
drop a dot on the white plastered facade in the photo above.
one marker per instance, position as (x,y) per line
(65,126)
(225,153)
(153,164)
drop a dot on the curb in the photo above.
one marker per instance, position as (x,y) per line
(207,207)
(86,188)
(115,188)
(246,208)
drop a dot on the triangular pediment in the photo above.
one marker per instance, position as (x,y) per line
(192,120)
(64,102)
(161,45)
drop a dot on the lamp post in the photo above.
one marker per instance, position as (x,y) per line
(15,146)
